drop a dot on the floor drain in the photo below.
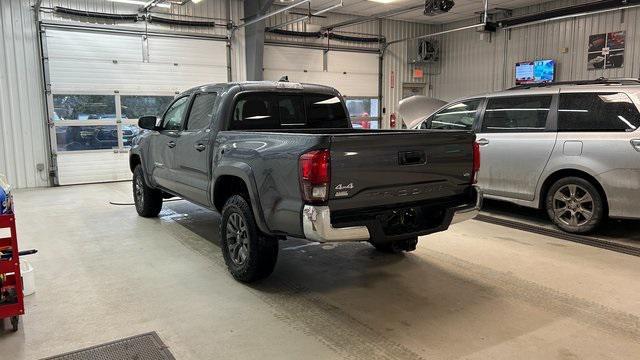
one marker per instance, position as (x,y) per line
(140,347)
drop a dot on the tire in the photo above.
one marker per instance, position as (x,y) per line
(14,323)
(249,254)
(398,246)
(575,205)
(148,200)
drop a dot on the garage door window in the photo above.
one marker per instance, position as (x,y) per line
(134,106)
(459,116)
(84,107)
(363,112)
(516,114)
(597,112)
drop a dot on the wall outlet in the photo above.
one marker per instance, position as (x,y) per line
(40,167)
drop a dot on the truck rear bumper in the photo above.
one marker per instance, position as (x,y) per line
(316,223)
(465,213)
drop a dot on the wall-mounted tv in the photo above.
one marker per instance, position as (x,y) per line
(534,72)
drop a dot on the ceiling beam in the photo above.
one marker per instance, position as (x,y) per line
(363,19)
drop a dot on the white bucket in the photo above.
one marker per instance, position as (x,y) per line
(28,278)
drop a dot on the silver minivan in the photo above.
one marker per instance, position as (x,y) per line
(570,148)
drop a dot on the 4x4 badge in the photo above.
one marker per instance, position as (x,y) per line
(344,187)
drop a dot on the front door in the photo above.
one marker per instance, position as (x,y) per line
(164,142)
(193,150)
(515,145)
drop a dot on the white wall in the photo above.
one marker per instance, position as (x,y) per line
(474,66)
(22,121)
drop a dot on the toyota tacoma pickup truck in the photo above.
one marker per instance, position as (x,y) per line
(280,159)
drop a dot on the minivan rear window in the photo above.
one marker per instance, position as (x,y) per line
(288,111)
(516,114)
(613,111)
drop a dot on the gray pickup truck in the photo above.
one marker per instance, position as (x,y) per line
(280,159)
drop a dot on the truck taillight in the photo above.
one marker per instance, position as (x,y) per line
(315,175)
(476,163)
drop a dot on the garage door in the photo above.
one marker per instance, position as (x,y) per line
(354,74)
(102,82)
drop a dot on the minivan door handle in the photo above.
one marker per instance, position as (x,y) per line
(171,144)
(199,147)
(483,142)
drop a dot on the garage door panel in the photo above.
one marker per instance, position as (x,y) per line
(90,167)
(352,62)
(293,59)
(353,74)
(91,45)
(187,51)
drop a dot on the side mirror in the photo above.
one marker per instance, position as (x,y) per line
(148,122)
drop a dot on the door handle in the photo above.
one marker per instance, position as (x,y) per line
(171,144)
(200,147)
(483,142)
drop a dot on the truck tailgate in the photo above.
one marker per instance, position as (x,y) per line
(377,169)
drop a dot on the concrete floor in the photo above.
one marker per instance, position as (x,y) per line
(477,291)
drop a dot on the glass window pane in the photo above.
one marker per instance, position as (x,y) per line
(325,111)
(291,110)
(516,114)
(75,138)
(84,107)
(255,111)
(459,116)
(134,107)
(597,112)
(363,112)
(201,111)
(173,118)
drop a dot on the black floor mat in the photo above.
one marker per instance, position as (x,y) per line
(140,347)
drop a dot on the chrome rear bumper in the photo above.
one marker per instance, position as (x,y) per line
(469,212)
(316,223)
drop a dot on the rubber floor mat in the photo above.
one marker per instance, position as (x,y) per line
(140,347)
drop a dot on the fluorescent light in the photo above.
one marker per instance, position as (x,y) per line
(384,1)
(141,3)
(196,1)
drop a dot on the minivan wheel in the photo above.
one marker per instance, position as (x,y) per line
(575,205)
(249,254)
(148,200)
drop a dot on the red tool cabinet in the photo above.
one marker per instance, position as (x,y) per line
(10,268)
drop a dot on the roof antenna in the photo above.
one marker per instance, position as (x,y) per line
(284,79)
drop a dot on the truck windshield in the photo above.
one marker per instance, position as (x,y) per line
(288,111)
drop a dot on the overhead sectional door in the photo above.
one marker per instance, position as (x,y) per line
(354,74)
(102,82)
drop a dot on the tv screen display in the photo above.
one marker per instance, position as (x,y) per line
(533,72)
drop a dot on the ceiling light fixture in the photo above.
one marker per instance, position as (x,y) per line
(141,3)
(384,1)
(196,1)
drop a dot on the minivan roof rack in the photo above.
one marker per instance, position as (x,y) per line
(599,81)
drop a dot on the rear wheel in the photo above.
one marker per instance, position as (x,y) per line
(249,254)
(148,200)
(397,246)
(575,205)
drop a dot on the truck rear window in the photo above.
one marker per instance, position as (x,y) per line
(288,111)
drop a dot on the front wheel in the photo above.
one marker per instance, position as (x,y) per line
(148,200)
(249,254)
(575,205)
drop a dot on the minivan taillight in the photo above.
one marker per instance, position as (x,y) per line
(315,175)
(476,163)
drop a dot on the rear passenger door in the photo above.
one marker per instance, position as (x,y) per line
(516,142)
(193,149)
